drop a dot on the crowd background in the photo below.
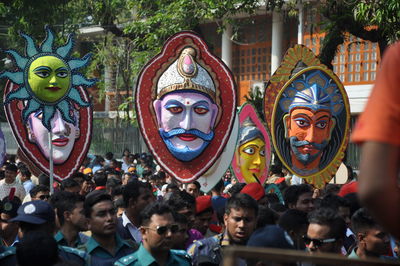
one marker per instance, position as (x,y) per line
(127,211)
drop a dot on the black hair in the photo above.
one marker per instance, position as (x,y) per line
(292,193)
(98,159)
(24,170)
(333,202)
(65,201)
(11,167)
(162,174)
(37,248)
(100,179)
(93,198)
(79,175)
(278,207)
(109,155)
(118,190)
(196,183)
(44,180)
(272,198)
(159,208)
(293,220)
(39,188)
(132,190)
(236,188)
(119,203)
(155,177)
(219,186)
(112,183)
(276,170)
(331,189)
(266,216)
(172,186)
(180,200)
(330,218)
(241,201)
(68,183)
(180,218)
(146,173)
(353,201)
(362,221)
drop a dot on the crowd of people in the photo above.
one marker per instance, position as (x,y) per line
(130,212)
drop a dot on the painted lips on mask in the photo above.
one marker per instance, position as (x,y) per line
(187,135)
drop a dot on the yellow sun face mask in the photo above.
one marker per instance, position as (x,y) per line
(49,78)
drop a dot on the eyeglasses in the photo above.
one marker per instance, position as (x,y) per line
(317,242)
(44,197)
(161,230)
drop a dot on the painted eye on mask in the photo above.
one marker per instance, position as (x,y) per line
(262,152)
(321,124)
(42,73)
(62,74)
(175,109)
(301,122)
(249,150)
(201,110)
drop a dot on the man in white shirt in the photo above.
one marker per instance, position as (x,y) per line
(9,183)
(137,195)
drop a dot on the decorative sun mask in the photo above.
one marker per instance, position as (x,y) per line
(46,94)
(48,79)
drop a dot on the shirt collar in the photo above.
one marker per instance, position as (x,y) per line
(60,238)
(92,244)
(125,220)
(147,259)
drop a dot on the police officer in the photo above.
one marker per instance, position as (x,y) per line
(157,228)
(36,216)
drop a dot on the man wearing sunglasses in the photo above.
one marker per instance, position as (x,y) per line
(157,227)
(326,231)
(40,192)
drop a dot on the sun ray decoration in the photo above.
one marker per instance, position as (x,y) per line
(64,104)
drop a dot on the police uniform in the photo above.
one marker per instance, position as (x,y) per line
(99,256)
(143,258)
(208,250)
(80,240)
(7,256)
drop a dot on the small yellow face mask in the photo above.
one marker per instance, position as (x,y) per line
(49,78)
(252,160)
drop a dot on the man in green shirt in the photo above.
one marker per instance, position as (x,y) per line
(71,216)
(105,246)
(157,228)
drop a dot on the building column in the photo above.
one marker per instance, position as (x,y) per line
(277,36)
(300,28)
(226,47)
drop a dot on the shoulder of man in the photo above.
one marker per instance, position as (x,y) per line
(132,244)
(204,245)
(130,260)
(182,256)
(6,252)
(75,254)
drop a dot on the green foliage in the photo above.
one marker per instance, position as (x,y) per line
(256,98)
(382,13)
